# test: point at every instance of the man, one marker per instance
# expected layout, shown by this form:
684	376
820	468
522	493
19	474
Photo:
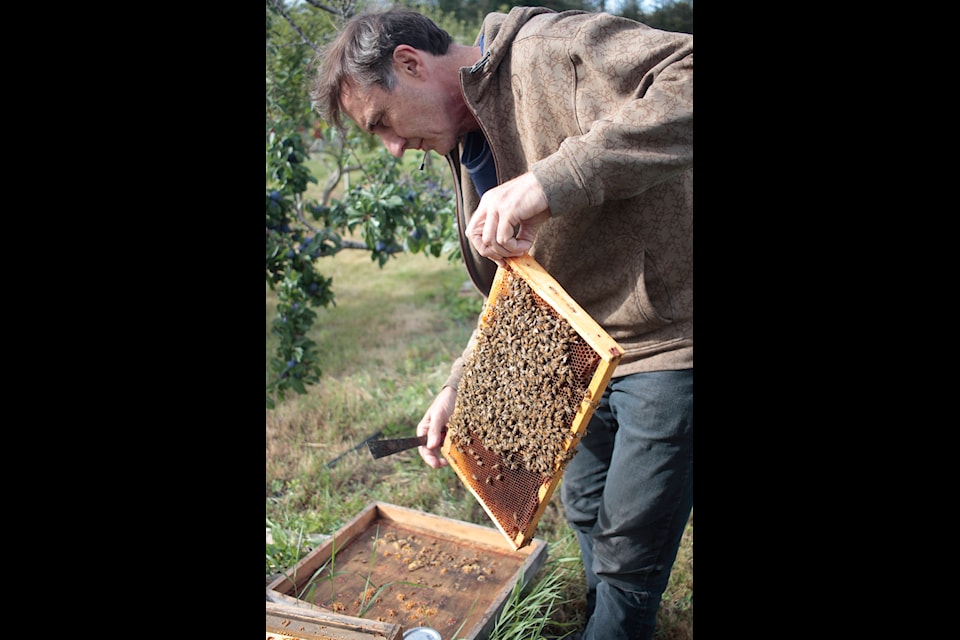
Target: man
570	136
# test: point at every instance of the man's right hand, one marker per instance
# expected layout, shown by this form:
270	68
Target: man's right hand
434	425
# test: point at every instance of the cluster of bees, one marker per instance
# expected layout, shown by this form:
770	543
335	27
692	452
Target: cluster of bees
520	389
430	555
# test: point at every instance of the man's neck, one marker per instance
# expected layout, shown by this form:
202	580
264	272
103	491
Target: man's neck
459	56
463	55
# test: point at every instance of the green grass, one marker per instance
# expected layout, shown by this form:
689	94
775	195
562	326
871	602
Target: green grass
386	348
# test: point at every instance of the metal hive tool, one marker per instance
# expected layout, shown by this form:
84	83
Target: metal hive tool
518	421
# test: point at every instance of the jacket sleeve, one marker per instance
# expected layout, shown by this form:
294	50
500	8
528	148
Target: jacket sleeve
634	105
456	369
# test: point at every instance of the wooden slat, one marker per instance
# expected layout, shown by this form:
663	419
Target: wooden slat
293	623
466	532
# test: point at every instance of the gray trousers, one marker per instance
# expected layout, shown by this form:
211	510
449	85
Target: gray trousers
628	493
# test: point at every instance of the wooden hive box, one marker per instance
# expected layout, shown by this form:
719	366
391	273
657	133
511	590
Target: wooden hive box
390	565
538	368
289	622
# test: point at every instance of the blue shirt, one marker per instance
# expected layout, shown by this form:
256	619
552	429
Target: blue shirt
477	157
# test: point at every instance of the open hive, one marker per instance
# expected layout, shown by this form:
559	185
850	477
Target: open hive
529	387
390	569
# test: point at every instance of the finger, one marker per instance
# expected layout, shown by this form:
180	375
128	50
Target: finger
475	232
490	224
432	457
475	225
423	427
435	438
507	232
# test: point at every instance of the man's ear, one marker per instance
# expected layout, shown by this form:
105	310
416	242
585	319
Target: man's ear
408	60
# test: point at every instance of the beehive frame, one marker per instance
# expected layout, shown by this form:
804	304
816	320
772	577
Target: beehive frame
515	498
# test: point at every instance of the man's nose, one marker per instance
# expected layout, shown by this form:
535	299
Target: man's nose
393	143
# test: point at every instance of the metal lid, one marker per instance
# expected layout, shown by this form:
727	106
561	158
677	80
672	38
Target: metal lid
421	633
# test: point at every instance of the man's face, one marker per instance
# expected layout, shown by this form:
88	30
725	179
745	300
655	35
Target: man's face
415	115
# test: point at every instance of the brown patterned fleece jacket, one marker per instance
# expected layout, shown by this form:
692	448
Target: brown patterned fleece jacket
600	109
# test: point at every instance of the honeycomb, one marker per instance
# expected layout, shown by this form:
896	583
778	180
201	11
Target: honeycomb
528	389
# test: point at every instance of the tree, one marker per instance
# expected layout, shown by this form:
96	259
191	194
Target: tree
391	209
669	15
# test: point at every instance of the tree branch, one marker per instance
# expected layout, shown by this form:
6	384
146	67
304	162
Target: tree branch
323	7
346	10
279	8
